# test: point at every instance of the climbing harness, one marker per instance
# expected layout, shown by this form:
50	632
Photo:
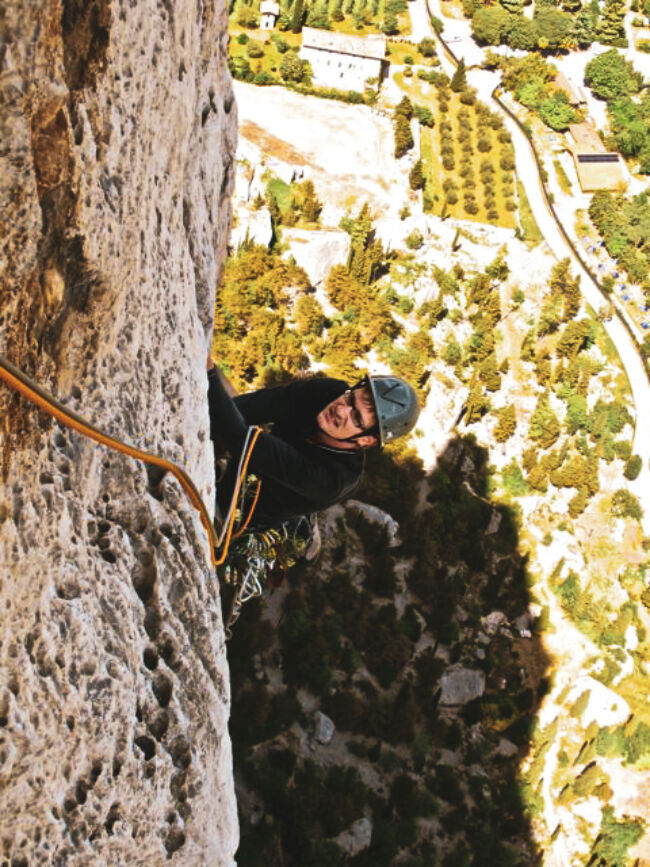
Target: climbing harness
264	556
30	389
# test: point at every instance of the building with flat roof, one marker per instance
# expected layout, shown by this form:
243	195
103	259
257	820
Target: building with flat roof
341	60
596	167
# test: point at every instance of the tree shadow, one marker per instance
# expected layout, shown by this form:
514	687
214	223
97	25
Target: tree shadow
381	638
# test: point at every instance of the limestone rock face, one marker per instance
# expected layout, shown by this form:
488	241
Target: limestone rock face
117	135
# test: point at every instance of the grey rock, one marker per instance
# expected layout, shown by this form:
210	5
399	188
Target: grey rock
356	838
460	685
493	621
379	517
323	728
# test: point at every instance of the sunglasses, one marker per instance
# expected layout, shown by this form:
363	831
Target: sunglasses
355	415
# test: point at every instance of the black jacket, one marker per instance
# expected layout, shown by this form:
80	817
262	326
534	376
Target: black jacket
298	477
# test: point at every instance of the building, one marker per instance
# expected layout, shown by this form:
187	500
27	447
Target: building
343	61
269	14
596	167
575	94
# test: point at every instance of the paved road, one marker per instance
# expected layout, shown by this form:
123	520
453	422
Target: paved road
485	81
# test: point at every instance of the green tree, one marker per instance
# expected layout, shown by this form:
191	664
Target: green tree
416	176
297	16
403	136
476	405
291	66
427	47
614	839
610	75
404	107
633	467
556	111
489	373
507	423
311	207
459	78
610	29
309	316
544	424
490	24
626	505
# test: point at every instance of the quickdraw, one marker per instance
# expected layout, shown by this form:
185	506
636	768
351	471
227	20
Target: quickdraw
258	556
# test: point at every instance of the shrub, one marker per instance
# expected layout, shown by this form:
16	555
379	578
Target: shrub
415	240
633	467
448	162
507	423
513	479
578	503
452	197
626	505
470	206
255	49
510	205
427	47
243	38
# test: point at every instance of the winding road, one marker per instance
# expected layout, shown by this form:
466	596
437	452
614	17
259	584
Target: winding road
458	34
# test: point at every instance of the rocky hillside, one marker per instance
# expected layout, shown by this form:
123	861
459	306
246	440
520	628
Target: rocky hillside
117	130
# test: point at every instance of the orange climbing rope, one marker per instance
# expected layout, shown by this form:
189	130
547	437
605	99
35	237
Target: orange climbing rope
31	390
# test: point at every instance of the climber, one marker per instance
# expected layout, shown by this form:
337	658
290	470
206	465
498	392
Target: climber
314	456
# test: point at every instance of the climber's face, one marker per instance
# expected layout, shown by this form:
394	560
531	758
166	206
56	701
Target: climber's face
350	415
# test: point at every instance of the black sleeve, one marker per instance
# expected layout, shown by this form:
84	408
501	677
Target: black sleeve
272	457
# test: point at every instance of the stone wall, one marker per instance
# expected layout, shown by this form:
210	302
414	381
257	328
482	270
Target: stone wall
117	135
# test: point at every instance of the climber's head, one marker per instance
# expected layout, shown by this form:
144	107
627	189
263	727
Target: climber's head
371	413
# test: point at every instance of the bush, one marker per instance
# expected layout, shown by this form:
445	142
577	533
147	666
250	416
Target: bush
427	47
243	38
255	49
633	467
415	240
626	505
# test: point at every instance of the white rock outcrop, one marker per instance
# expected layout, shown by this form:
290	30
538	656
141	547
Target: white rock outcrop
118	128
316	251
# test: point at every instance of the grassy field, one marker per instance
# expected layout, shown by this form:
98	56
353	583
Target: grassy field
562	177
529	226
271	59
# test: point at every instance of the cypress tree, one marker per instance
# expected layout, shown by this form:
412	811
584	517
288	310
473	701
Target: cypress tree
610	30
507	424
404	107
416	176
403	136
459	79
297	17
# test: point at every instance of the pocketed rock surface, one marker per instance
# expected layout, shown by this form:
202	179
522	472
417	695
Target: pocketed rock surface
117	135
